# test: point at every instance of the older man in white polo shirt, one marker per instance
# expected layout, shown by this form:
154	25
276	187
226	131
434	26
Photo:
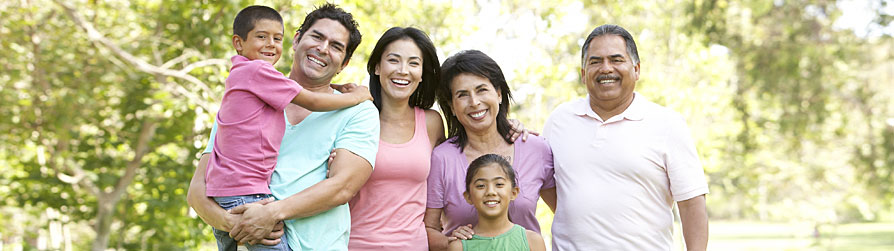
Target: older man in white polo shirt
622	161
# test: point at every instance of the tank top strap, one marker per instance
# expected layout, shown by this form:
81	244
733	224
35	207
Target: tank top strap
421	130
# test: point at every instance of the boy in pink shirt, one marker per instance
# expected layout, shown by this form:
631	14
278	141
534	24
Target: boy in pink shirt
251	119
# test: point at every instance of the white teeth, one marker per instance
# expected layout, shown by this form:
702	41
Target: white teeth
400	81
491	202
607	81
316	61
478	114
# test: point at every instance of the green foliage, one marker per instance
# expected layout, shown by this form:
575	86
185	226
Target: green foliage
793	119
802	114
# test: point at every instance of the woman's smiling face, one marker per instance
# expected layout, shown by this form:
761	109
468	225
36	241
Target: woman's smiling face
475	102
400	69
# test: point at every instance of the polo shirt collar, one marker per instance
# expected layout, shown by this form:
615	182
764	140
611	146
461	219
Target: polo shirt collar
635	111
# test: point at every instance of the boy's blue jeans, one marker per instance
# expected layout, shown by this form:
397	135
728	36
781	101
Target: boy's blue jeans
225	242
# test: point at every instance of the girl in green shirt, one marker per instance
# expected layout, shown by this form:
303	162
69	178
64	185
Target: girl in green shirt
490	187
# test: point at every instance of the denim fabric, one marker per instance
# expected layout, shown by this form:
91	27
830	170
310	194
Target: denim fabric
227	243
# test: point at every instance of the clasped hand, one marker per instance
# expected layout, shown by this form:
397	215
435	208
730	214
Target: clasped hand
257	224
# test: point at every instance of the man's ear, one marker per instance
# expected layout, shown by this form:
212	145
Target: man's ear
466	196
581	76
344	65
636	72
237	44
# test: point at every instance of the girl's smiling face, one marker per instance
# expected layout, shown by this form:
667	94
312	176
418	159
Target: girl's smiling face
491	191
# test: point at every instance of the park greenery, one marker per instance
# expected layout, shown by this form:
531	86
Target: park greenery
105	104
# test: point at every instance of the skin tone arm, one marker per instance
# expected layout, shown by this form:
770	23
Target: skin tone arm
694	216
549	197
213	214
321	102
535	241
455	246
432	219
435	127
205	207
347	173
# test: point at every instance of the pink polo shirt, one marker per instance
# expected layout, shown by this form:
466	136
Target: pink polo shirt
250	129
617	179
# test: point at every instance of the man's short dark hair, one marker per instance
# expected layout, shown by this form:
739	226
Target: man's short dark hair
246	19
331	11
613	30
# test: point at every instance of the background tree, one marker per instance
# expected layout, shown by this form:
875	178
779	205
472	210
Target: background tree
106	103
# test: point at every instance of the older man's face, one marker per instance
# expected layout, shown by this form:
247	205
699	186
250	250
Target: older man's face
608	71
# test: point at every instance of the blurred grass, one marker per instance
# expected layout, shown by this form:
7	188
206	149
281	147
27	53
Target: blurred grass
800	236
753	235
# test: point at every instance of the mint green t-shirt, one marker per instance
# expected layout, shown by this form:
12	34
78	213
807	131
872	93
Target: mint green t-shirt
512	240
302	162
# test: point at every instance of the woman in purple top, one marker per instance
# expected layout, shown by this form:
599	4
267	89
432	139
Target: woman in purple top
474	96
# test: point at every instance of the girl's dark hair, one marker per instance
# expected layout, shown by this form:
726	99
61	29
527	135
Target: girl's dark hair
424	96
488	159
476	63
246	19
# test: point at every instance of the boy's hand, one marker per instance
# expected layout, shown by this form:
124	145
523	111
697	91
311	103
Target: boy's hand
358	91
343	88
362	93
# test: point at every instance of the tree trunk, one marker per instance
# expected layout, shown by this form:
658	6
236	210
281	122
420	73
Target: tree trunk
103	227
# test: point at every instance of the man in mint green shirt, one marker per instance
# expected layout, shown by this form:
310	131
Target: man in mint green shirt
302	163
312	205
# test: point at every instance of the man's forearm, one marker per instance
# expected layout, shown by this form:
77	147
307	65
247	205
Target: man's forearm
348	172
205	207
694	216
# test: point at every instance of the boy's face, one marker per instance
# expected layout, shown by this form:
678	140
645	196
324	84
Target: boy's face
491	191
264	42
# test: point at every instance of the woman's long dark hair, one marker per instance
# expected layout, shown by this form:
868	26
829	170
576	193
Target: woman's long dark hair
424	95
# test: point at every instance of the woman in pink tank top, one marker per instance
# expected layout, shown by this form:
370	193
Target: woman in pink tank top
386	214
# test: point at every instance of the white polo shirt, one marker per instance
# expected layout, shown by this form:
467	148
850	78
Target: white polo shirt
617	179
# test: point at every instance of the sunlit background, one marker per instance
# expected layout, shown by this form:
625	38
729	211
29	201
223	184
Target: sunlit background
105	105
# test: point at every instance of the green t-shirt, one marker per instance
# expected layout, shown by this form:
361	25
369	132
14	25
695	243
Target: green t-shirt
513	240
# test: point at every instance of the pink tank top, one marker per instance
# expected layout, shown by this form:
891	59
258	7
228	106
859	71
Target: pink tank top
386	214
